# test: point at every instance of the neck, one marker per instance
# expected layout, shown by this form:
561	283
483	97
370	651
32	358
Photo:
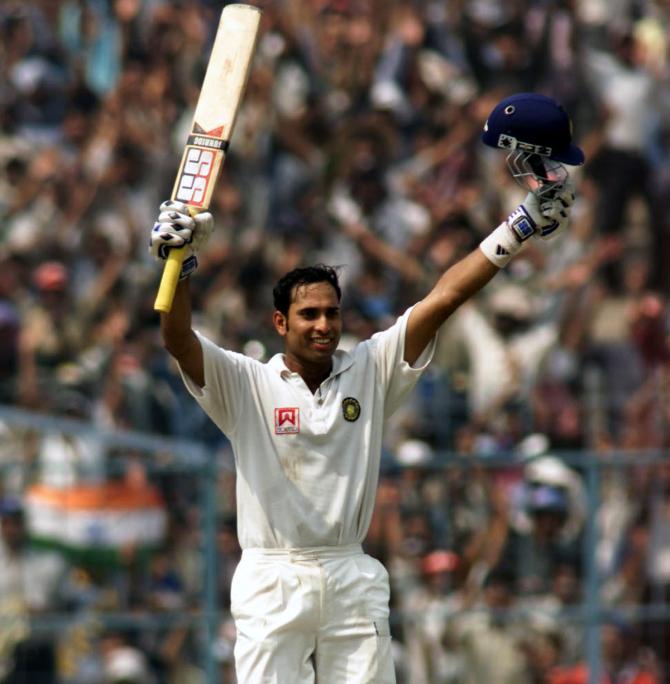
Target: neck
312	374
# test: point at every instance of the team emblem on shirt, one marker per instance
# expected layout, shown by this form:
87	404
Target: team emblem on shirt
287	421
351	409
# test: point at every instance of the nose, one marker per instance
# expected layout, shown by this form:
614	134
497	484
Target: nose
322	324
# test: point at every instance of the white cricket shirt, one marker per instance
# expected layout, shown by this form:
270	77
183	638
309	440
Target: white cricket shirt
307	464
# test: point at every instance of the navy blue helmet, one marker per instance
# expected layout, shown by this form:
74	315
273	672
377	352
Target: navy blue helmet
535	124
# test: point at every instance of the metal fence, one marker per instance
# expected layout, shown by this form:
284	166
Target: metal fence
189	479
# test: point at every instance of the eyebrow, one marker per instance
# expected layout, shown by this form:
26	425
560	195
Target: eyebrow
312	309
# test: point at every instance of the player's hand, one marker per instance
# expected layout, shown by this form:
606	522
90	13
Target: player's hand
545	216
176	228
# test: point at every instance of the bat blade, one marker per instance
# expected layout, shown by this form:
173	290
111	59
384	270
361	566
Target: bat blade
213	122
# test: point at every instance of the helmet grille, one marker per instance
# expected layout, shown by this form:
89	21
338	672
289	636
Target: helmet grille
536	174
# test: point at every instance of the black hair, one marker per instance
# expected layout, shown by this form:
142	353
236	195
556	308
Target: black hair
319	273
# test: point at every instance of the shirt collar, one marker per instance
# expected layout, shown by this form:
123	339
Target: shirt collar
342	360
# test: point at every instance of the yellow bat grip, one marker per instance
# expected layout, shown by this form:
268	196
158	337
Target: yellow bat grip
169	280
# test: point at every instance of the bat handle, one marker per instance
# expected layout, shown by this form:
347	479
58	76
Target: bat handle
169	280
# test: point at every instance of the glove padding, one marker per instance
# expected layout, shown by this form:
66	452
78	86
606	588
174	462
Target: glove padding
176	228
545	216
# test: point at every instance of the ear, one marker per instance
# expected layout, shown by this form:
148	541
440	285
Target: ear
280	323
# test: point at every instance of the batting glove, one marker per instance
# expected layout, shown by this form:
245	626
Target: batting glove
544	217
176	228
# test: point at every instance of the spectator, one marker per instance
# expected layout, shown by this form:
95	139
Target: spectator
546	527
626	89
30	584
124	663
427	614
9	333
506	343
381	109
622	657
490	637
51	335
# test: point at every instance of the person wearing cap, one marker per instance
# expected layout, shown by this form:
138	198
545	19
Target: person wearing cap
427	612
51	333
306	427
546	527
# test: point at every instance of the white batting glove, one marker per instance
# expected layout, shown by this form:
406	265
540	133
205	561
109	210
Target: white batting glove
176	228
544	217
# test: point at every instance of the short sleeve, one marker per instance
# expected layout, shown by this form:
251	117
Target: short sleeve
223	395
397	376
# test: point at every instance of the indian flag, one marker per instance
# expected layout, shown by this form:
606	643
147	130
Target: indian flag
97	518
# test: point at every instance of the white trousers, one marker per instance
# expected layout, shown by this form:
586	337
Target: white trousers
306	616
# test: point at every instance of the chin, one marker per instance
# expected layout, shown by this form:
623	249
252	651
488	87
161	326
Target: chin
320	354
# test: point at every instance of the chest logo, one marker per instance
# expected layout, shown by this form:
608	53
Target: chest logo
287	421
351	409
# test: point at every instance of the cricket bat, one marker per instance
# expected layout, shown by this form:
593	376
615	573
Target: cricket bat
213	121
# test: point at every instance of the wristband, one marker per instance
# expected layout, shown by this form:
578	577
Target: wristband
501	245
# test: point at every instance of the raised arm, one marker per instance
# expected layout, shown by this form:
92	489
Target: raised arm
175	229
178	337
469	275
464	279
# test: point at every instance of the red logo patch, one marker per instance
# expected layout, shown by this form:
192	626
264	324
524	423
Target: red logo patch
287	421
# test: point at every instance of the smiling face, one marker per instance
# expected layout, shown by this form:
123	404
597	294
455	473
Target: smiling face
311	329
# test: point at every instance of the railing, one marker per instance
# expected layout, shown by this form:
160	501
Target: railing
187	462
159	458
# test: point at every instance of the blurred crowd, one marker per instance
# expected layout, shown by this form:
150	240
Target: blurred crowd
357	145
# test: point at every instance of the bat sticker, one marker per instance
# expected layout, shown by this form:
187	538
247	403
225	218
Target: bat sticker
204	141
195	176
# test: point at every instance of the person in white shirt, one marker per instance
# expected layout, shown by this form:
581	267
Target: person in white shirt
306	430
